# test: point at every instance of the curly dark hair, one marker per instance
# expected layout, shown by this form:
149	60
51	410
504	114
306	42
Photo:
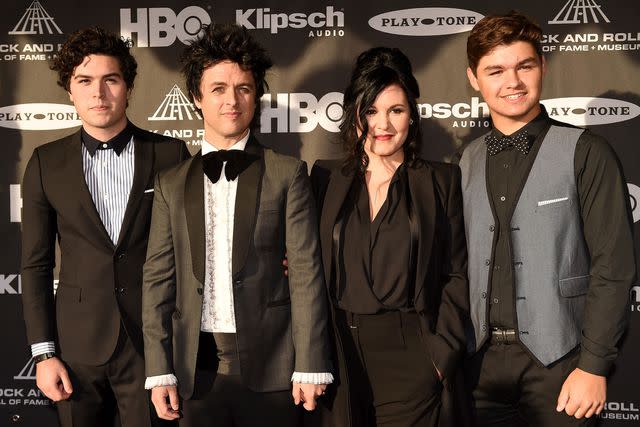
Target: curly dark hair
93	41
495	30
375	70
224	42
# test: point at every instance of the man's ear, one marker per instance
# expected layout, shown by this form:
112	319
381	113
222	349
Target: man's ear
196	101
473	81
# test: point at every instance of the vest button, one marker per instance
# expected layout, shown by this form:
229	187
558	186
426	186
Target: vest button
492	227
502	198
487	262
484	295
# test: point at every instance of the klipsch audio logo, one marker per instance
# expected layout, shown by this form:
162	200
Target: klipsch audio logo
160	26
36	20
327	23
39	116
15	203
425	21
580	12
588	111
175	106
464	114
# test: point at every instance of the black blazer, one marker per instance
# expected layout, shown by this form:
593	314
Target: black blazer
441	288
100	283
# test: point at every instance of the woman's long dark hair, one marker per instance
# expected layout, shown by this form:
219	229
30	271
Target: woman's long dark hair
375	70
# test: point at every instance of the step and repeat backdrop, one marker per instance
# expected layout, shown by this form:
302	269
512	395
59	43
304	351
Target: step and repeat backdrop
592	50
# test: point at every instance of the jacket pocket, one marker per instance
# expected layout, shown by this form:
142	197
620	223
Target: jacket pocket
574	286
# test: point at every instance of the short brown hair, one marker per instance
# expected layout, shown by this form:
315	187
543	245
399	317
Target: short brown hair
495	30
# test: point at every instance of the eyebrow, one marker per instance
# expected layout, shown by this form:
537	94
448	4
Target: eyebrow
225	84
520	63
86	76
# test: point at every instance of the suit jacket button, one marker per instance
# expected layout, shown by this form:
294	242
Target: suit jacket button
199	291
120	256
237	282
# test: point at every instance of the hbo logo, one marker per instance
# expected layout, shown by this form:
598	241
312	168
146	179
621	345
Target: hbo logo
159	26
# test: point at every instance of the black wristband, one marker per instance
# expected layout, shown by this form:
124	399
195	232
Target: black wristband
44	356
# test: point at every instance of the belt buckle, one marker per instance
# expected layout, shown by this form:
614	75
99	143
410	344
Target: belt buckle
501	335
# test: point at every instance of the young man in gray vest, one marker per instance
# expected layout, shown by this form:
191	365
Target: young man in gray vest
551	256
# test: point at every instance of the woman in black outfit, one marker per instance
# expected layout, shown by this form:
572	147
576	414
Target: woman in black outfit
394	254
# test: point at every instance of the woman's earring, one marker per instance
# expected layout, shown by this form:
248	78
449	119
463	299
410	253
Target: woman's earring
410	121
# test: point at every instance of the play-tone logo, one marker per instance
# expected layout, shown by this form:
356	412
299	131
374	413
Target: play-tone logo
39	116
160	26
580	12
634	196
35	20
425	21
588	111
176	106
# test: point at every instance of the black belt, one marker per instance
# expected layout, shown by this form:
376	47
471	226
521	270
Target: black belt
503	336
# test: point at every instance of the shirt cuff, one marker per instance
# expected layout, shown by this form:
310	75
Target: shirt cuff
42	348
312	377
160	381
593	364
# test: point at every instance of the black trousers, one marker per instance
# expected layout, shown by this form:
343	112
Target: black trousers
221	399
510	389
390	372
100	393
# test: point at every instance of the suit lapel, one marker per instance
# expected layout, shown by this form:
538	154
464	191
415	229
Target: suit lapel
78	185
246	206
142	174
194	212
421	188
337	190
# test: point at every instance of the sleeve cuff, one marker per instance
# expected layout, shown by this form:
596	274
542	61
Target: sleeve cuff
160	381
312	377
42	348
593	364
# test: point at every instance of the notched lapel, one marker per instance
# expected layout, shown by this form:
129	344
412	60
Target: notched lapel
78	186
423	200
337	190
246	206
142	175
194	212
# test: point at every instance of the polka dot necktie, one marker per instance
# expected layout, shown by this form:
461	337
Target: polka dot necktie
520	141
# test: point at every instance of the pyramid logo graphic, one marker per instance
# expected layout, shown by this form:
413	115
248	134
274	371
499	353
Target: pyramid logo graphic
28	372
35	20
580	12
176	106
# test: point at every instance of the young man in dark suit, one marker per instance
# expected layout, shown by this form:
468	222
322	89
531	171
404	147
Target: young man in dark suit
224	328
551	256
92	192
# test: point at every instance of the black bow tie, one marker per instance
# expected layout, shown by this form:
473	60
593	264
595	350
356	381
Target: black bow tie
237	162
520	141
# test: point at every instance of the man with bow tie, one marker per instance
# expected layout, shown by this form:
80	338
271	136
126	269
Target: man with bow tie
549	232
228	337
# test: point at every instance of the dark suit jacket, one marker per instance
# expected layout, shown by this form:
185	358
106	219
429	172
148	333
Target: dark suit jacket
281	323
100	283
441	288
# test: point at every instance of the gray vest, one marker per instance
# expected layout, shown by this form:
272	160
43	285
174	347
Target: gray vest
550	256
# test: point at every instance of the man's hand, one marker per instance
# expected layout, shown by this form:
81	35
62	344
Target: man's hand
307	394
583	394
165	400
53	379
285	264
